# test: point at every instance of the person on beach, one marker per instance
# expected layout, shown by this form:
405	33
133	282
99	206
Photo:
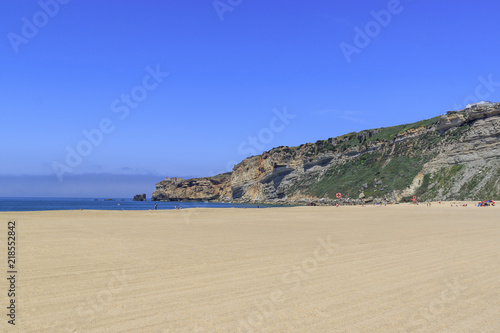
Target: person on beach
156	206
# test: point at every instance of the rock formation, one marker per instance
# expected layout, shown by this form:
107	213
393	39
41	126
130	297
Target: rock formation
195	189
140	197
454	156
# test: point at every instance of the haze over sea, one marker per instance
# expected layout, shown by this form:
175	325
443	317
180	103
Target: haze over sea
38	204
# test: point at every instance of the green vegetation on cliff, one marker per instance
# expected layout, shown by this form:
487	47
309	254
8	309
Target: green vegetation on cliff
374	174
443	184
439	182
364	138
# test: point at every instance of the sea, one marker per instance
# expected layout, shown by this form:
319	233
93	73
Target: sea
37	204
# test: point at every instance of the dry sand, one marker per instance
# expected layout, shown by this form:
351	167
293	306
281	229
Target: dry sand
303	269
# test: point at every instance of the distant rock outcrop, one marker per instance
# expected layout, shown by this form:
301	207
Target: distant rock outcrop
455	156
140	197
195	189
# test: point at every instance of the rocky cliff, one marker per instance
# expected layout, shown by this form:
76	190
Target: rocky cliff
139	197
195	189
453	156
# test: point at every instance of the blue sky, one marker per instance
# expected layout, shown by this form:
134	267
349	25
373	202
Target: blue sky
242	79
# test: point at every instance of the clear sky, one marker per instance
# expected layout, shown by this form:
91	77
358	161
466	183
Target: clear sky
98	92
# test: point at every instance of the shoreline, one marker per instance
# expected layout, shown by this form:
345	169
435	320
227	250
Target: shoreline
268	206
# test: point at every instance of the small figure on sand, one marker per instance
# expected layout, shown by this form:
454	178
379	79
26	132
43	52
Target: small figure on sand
156	206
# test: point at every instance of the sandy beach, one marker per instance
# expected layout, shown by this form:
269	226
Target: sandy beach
372	269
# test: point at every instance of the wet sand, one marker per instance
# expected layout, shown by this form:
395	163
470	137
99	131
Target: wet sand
398	268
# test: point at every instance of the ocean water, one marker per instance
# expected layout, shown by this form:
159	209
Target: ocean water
34	204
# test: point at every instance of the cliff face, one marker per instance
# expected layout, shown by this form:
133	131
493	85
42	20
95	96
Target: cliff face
454	156
195	189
